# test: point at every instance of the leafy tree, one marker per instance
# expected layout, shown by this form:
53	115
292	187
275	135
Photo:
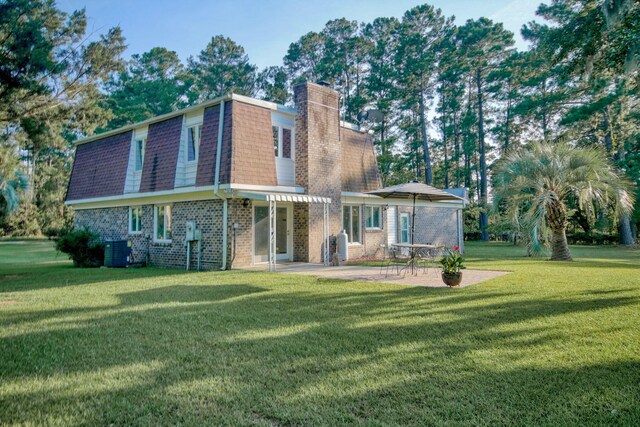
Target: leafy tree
272	84
45	62
380	83
485	45
304	57
222	67
534	184
152	84
51	78
421	40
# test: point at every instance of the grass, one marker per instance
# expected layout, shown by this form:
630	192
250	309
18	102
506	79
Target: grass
549	344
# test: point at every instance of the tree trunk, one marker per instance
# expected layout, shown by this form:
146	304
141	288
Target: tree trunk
484	217
556	217
608	143
456	155
626	235
444	142
559	246
507	131
428	174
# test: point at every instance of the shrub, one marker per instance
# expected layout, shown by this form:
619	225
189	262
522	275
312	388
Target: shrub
593	238
83	247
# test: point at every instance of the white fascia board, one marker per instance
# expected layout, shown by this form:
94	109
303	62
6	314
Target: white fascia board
265	104
176	195
348	125
266	188
451	204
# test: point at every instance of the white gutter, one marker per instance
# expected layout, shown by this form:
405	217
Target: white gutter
216	186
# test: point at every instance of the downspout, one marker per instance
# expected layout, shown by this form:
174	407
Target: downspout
216	187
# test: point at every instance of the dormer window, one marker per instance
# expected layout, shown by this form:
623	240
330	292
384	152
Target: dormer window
193	142
282	139
139	147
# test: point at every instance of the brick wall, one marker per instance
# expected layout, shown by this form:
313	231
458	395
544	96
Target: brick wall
112	223
319	160
434	225
300	231
242	216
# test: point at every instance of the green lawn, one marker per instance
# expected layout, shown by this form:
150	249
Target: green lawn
548	344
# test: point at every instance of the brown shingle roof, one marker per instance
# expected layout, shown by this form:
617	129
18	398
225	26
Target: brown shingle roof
100	168
359	167
253	160
161	155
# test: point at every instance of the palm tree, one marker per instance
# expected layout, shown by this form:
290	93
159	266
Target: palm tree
535	182
12	179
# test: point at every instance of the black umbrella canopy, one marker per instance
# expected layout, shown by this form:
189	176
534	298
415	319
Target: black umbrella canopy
419	190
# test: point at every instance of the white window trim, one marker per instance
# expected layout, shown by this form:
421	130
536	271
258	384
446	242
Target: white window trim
155	224
366	208
135	155
198	126
292	153
350	232
131	231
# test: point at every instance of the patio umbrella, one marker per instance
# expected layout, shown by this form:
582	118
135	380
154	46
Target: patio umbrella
416	191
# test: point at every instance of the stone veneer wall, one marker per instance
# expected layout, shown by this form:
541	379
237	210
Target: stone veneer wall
112	223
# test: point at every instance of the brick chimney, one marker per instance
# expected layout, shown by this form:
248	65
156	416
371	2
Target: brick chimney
318	164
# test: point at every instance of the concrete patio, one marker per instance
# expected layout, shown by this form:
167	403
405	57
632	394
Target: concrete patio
372	274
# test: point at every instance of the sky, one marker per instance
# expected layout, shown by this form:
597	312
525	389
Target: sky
265	28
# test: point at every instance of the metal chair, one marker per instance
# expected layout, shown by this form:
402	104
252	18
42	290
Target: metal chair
385	261
399	259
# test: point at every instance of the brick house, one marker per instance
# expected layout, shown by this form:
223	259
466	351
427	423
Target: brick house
238	181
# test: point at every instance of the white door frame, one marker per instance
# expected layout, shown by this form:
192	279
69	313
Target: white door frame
408	216
288	256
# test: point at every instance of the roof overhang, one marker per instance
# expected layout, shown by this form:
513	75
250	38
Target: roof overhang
282	197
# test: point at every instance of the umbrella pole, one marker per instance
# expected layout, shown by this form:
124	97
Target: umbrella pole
413	219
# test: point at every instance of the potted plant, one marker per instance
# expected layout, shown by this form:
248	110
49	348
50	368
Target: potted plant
451	265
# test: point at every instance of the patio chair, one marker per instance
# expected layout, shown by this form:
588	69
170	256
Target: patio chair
426	258
398	259
386	260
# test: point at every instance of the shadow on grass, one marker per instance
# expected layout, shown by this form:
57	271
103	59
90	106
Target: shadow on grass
196	353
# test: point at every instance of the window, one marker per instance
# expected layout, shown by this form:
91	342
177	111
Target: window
405	225
193	142
135	220
140	146
372	217
276	140
286	143
351	222
162	220
282	141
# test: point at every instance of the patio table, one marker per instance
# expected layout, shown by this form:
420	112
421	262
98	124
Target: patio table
415	250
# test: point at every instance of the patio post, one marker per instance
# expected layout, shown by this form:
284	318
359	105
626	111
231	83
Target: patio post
272	234
413	218
325	233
